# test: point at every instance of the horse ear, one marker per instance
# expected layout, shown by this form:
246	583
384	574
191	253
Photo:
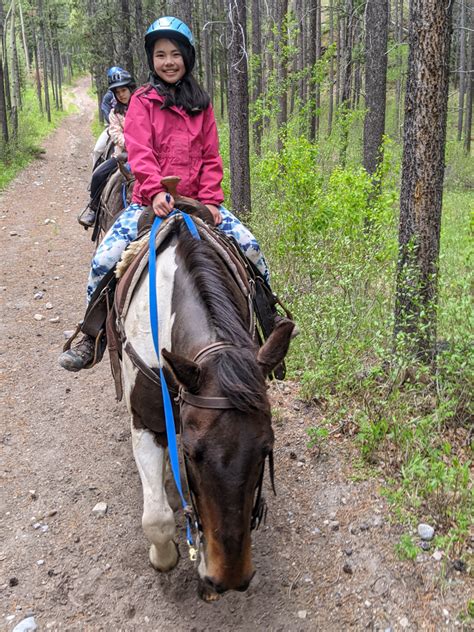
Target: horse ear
275	348
186	372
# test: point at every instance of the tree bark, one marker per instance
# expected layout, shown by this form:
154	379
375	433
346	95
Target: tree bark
470	91
399	84
206	43
422	177
282	114
23	37
331	68
462	67
257	71
126	38
6	72
181	9
15	70
315	44
3	106
376	35
238	107
37	66
47	104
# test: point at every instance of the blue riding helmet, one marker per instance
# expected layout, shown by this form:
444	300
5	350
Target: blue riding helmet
113	70
169	28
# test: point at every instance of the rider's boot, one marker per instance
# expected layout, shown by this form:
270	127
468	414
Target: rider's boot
79	356
87	217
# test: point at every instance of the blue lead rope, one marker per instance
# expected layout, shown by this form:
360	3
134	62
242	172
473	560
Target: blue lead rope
169	417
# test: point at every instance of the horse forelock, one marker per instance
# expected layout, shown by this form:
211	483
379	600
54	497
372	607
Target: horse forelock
238	372
242	380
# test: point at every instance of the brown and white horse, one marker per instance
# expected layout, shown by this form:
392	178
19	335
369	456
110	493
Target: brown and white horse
225	449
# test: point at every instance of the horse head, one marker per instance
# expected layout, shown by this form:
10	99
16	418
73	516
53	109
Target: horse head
226	437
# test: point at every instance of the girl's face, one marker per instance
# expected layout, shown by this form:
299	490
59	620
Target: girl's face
168	61
123	94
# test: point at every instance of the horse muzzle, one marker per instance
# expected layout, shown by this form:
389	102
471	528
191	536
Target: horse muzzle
210	590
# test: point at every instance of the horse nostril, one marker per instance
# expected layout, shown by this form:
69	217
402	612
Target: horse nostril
243	587
214	586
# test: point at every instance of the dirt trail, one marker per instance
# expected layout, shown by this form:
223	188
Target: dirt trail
324	559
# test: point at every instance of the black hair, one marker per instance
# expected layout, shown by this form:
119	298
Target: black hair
121	108
186	93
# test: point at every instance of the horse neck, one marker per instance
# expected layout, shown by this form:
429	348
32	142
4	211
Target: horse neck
200	322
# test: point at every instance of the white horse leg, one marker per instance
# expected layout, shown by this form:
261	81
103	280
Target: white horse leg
157	520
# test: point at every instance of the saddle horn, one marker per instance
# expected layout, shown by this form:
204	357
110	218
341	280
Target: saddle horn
171	184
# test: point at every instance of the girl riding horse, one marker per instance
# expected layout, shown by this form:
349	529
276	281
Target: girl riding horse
122	85
170	129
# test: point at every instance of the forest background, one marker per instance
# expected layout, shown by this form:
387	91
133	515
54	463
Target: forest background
314	100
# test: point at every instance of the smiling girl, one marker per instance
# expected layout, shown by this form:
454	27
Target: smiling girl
170	130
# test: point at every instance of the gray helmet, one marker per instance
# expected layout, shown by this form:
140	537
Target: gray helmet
120	78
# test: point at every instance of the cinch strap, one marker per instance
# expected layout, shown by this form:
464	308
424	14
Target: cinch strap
154	320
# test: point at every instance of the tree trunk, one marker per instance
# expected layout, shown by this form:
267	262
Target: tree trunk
470	90
15	74
338	59
422	177
257	71
399	62
181	9
238	107
376	34
140	28
57	54
6	73
206	43
3	106
462	67
223	81
346	77
301	56
37	67
3	80
315	43
331	68
44	60
23	37
126	38
282	115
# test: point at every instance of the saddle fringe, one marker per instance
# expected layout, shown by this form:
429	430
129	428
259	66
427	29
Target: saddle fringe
129	255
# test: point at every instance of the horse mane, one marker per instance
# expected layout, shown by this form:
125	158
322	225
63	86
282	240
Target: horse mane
238	372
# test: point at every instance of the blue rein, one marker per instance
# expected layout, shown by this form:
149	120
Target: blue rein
169	417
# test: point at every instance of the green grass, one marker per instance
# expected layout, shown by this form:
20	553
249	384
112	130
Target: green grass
33	128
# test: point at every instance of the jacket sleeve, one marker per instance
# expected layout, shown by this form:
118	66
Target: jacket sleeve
210	189
107	104
139	143
116	130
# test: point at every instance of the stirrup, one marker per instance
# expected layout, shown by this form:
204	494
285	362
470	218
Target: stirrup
87	217
99	345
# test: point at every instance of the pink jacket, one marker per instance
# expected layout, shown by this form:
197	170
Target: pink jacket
170	142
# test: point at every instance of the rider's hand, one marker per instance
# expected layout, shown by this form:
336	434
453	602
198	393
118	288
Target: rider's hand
216	216
163	204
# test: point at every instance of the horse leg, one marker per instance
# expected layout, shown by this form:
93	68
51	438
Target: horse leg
158	519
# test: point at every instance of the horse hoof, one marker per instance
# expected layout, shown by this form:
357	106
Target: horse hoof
166	559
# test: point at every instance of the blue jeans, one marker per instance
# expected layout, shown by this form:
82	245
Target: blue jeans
125	230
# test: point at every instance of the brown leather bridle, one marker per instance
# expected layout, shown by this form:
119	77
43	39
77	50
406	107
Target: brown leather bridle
259	510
